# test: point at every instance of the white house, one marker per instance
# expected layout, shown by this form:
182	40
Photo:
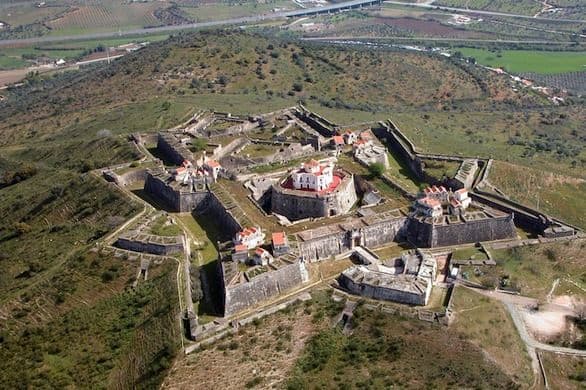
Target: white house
313	176
250	236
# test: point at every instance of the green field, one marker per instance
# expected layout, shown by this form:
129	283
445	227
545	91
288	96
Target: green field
520	61
13	58
225	10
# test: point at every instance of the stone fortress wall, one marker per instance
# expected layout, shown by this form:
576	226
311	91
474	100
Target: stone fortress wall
175	198
427	235
325	242
523	215
382	292
317	122
139	239
155	245
262	287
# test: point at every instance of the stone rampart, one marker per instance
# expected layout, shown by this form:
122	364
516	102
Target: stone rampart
151	244
262	287
225	218
382	292
174	198
316	122
384	232
168	145
131	177
428	235
343	238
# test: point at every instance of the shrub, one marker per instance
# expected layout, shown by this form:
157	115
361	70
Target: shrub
376	169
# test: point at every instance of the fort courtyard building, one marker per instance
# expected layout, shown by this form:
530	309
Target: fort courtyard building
314	190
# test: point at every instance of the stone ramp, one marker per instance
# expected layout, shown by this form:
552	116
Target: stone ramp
366	256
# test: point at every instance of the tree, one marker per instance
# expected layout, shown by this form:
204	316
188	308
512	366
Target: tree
376	169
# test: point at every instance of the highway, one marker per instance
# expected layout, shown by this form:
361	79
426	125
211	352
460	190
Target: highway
190	26
364	39
480	12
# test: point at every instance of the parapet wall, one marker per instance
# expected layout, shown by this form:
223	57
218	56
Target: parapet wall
226	220
172	149
147	246
428	235
263	287
382	292
341	241
315	121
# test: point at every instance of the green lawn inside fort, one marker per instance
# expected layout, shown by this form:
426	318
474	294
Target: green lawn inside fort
522	61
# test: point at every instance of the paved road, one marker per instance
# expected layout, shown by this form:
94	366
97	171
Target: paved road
480	12
165	29
351	38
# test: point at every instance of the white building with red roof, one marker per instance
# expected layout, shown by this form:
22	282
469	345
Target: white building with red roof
429	206
313	176
280	244
261	257
338	141
212	167
434	198
250	236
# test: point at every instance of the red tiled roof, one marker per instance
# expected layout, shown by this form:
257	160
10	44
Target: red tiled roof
338	139
365	135
259	251
461	191
240	248
279	238
431	202
247	231
212	163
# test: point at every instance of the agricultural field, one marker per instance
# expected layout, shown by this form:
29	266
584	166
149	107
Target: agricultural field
209	11
521	61
522	7
108	16
573	82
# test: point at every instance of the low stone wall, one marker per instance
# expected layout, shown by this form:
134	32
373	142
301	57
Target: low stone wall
263	287
147	246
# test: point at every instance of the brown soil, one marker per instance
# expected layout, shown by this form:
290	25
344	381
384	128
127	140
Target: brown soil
267	351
